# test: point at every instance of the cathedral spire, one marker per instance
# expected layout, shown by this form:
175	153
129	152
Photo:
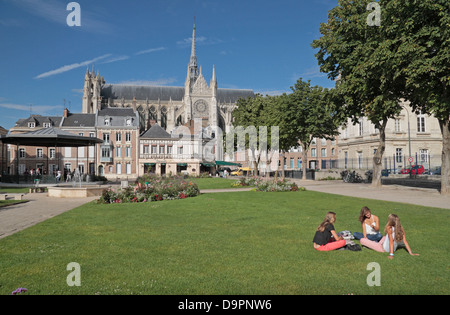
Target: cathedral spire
193	69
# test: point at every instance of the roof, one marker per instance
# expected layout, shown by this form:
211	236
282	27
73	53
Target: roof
128	92
156	132
117	111
166	93
50	137
79	120
39	121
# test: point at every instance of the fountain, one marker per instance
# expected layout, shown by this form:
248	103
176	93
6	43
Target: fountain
77	190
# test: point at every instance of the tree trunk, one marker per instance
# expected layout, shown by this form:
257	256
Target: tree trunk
445	168
304	160
378	157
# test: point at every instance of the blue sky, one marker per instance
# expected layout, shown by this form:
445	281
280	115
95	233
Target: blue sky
260	45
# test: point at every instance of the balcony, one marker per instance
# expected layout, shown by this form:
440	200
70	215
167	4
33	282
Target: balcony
106	151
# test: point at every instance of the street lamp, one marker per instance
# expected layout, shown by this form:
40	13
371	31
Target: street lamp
409	142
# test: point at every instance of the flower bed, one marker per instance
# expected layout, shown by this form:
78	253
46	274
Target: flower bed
278	185
150	188
267	185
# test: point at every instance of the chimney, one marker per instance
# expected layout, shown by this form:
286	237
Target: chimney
66	112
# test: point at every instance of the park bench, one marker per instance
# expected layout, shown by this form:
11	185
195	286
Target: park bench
3	196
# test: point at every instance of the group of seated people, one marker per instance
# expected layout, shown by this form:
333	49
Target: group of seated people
326	238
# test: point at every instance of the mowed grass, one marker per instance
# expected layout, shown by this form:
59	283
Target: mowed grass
242	243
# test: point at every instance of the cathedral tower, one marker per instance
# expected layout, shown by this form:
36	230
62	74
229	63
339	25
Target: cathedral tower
92	101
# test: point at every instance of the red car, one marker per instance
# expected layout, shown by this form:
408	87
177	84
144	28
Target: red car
415	170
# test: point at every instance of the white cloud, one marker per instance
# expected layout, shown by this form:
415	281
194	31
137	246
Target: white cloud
70	67
55	11
148	51
35	109
115	59
201	40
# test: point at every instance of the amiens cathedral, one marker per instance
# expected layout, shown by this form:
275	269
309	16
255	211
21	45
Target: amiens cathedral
167	106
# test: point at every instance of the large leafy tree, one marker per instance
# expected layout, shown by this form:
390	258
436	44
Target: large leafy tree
360	58
406	56
420	30
312	114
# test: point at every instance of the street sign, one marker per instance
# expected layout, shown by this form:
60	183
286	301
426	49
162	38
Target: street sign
411	159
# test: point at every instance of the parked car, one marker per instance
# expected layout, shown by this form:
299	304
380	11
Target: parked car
405	171
385	172
417	169
435	171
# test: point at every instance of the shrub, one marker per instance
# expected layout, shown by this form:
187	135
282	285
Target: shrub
278	185
152	188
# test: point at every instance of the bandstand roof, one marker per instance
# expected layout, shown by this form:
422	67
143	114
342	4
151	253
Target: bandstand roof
49	137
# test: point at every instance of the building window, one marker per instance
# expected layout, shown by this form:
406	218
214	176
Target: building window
423	156
39	153
52	153
169	149
107	120
180	150
118	137
162	149
313	152
129	121
421	123
323	152
106	153
118	152
81	134
47	125
128	137
106	138
128	168
361	127
399	155
154	149
118	168
22	153
31	125
128	152
92	134
397	125
146	149
333	151
360	160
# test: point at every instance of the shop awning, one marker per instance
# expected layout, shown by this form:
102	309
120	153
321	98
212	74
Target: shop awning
181	164
208	164
223	163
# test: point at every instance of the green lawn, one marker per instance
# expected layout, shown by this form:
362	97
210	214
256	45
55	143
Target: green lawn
214	182
240	243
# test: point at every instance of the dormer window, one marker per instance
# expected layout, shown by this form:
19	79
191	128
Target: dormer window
129	121
47	125
31	125
107	121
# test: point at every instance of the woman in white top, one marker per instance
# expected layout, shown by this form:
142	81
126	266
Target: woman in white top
370	226
389	243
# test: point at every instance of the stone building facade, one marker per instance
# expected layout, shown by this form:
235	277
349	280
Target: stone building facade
409	134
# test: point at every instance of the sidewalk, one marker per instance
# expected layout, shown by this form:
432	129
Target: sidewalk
39	208
418	196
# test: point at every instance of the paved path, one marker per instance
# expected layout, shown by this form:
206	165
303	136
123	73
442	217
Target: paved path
418	196
40	207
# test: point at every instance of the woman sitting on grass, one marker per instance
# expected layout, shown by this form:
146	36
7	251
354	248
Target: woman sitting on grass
389	243
370	226
326	238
